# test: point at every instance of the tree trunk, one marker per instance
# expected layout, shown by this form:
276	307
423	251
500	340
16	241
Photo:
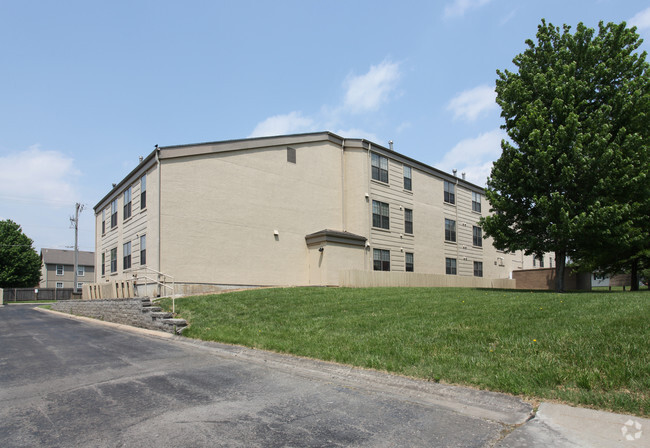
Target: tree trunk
634	286
560	262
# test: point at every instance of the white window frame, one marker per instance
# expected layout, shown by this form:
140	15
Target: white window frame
62	269
59	285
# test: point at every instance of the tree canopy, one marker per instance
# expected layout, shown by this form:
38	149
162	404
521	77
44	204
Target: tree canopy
573	177
20	265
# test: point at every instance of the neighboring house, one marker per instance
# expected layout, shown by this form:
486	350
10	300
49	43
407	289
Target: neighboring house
57	268
292	210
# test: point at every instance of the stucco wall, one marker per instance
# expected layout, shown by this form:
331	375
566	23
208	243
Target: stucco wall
241	217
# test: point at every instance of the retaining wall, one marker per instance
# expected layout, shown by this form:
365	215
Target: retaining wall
136	312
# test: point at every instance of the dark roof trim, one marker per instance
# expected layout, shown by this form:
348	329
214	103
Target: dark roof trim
373	147
169	152
335	236
139	170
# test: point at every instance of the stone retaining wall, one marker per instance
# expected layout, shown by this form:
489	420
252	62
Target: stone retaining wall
137	312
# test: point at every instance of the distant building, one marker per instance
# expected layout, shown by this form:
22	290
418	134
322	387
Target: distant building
57	268
293	210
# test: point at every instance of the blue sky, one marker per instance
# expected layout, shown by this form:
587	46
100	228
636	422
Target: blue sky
88	86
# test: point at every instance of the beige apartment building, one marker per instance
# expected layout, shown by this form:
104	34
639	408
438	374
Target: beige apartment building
57	268
293	210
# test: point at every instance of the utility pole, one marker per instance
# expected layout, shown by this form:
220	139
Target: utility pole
75	222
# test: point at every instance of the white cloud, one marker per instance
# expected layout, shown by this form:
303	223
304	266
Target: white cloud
367	92
37	174
459	7
474	156
641	20
291	123
471	103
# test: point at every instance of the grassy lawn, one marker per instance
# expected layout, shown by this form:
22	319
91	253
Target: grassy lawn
589	349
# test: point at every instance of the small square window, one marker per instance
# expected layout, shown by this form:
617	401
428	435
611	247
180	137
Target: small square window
291	155
59	285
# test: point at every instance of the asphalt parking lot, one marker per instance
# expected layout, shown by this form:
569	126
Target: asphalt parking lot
71	382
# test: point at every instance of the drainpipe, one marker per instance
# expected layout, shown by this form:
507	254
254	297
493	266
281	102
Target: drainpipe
368	257
343	216
159	204
458	260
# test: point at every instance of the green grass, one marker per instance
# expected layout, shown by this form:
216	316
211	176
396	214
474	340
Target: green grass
589	349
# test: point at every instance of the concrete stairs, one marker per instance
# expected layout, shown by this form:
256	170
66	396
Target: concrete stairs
161	318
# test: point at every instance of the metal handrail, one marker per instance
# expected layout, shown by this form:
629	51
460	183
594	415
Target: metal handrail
160	283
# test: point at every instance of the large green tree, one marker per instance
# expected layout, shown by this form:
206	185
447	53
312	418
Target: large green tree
20	265
572	175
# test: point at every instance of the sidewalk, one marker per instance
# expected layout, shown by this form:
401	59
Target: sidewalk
564	426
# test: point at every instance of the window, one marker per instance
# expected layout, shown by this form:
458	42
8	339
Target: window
143	192
379	167
380	215
59	269
409	262
103	263
478	269
127	203
114	259
103	221
408	180
450	230
59	284
79	285
81	271
476	202
114	214
477	236
450	266
381	260
126	254
408	220
291	155
541	262
143	249
450	193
